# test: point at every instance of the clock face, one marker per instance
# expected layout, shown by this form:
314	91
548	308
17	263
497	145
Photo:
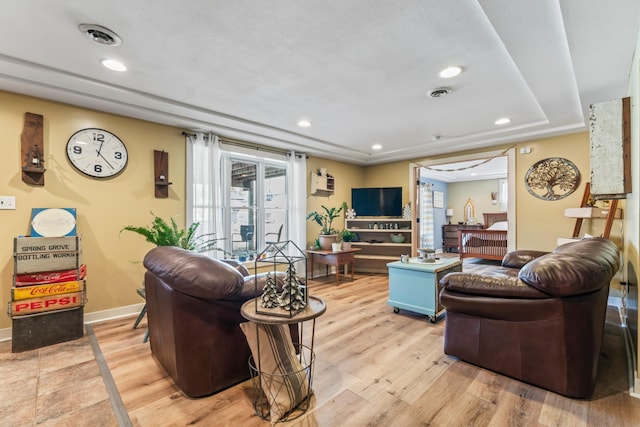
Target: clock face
97	153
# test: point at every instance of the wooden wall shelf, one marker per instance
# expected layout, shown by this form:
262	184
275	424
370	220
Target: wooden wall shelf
161	174
32	149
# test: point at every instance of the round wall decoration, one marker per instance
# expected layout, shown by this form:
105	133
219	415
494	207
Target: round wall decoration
552	179
97	153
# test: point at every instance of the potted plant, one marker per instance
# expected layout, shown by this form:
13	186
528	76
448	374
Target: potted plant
161	233
347	237
315	245
328	234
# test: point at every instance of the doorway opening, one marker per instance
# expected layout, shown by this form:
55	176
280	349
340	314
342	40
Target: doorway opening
469	186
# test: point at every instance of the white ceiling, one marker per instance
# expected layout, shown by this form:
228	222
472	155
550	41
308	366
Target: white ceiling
469	170
359	70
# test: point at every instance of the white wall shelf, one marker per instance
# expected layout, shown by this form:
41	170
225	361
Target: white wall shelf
322	185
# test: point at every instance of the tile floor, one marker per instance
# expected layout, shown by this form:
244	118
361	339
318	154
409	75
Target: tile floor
58	385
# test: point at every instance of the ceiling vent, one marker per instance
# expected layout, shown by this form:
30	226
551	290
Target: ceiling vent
440	92
100	34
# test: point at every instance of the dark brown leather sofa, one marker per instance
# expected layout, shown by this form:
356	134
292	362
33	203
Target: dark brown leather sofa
538	318
193	309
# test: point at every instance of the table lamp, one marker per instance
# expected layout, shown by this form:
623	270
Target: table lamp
449	214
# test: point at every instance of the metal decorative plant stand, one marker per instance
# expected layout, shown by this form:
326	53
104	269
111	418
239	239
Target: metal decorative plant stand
284	300
277	258
264	400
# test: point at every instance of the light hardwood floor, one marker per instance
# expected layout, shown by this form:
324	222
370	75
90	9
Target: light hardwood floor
373	368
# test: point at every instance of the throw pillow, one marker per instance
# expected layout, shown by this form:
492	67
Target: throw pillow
283	379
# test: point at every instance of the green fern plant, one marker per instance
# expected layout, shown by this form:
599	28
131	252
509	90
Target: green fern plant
161	233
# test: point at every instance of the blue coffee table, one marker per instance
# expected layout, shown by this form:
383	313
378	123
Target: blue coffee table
415	286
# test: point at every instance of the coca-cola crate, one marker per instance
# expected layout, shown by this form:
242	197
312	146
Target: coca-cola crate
42	329
47	289
44	277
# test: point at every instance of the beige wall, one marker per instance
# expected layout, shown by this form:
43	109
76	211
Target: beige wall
396	174
103	207
346	177
541	222
480	194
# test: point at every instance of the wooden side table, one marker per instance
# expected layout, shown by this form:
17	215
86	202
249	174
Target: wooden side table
314	309
344	257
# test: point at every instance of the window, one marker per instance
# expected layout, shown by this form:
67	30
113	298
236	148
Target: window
245	195
504	195
256	194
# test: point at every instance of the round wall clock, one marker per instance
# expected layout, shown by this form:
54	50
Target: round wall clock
552	179
97	153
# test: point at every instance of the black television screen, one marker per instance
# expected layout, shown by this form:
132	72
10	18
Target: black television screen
386	201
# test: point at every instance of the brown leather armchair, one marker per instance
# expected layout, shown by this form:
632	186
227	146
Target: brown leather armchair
538	318
193	311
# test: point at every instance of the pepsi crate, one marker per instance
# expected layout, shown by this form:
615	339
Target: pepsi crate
46	303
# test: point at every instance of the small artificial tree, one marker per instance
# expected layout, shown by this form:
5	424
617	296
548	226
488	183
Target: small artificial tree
292	296
270	293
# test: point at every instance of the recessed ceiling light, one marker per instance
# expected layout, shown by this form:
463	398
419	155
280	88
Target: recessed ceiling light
376	147
114	65
304	123
502	121
449	72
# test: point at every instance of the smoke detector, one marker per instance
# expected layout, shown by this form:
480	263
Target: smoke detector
100	34
440	92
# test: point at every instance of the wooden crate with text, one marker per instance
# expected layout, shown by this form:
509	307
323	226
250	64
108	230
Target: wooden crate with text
44	254
49	292
29	279
46	289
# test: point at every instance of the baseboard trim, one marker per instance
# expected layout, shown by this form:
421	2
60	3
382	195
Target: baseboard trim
632	372
114	313
93	317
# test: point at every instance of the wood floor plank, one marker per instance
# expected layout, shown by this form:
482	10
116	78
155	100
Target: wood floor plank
559	411
373	367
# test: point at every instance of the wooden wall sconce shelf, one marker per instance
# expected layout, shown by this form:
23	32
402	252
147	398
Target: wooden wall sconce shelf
161	174
32	149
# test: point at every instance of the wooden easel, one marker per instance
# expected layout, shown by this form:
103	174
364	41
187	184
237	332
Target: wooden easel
613	207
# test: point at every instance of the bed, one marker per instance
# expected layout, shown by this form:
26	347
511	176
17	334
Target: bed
487	243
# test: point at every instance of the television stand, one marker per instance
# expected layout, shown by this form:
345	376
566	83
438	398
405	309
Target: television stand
374	238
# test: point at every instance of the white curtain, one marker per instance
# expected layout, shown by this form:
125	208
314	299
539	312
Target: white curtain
427	237
203	189
204	197
297	175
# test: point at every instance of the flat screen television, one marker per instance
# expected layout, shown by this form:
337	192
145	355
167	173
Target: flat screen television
379	201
